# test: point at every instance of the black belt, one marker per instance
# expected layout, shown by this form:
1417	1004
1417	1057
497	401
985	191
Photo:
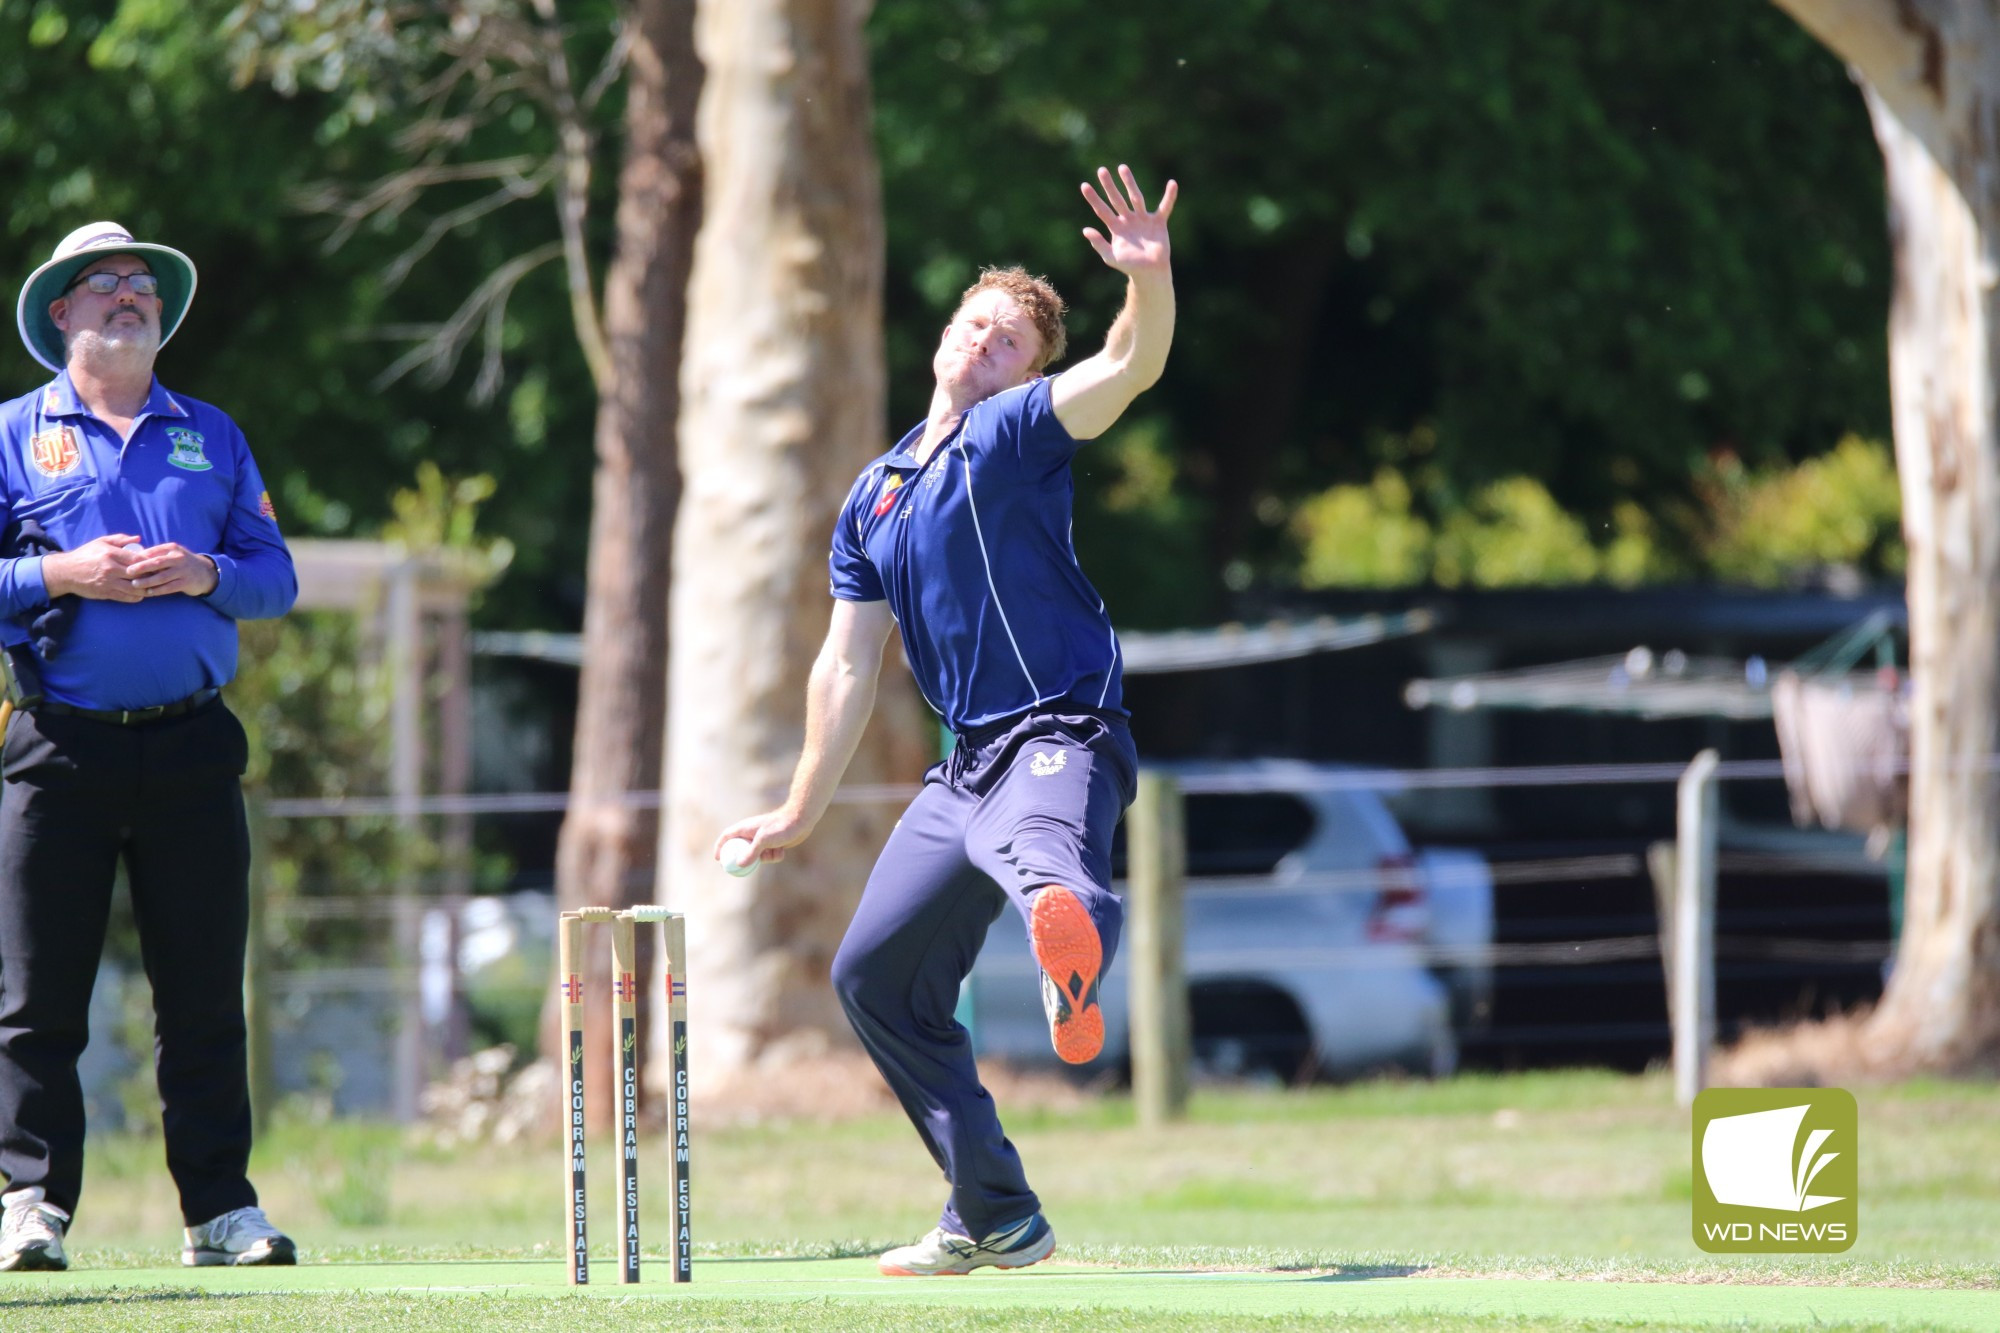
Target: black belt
132	717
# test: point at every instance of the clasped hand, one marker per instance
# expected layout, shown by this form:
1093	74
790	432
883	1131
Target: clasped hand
116	568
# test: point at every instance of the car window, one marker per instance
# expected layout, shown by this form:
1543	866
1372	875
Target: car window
1356	828
1236	833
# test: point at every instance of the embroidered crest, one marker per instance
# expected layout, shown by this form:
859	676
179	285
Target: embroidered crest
1048	764
889	489
265	507
55	451
187	449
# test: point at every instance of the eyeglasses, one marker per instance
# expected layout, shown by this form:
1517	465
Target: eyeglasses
104	283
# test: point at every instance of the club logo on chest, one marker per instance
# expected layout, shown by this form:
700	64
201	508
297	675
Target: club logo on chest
55	451
888	499
187	449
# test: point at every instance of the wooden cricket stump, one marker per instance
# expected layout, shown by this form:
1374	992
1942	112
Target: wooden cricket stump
625	1010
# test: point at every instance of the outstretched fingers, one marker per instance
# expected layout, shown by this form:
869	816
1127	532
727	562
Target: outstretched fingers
1138	204
1105	213
1121	199
1133	238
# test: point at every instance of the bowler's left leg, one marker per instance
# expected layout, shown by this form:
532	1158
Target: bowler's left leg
1043	831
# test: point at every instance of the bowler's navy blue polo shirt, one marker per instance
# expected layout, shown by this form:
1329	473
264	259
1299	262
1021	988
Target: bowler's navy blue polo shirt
973	553
185	475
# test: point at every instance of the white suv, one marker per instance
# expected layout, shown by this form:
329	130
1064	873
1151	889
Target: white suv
1318	942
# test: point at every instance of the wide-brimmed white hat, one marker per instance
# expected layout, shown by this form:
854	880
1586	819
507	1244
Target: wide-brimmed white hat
78	249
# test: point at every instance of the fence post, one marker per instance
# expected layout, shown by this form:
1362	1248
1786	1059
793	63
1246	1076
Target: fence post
1663	868
1157	934
1693	954
257	979
403	613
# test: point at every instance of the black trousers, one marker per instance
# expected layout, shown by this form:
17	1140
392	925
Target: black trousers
166	797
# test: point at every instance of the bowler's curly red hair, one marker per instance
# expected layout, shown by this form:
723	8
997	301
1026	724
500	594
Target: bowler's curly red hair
1038	301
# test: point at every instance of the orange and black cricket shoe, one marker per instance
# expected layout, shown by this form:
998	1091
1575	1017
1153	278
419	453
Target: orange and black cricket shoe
1071	956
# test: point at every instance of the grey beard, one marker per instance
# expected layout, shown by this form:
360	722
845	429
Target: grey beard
123	352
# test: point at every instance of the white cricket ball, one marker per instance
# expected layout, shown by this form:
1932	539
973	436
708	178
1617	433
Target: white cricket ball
736	857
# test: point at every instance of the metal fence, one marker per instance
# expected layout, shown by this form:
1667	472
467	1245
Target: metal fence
412	989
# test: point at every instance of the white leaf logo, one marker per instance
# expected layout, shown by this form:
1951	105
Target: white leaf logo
1749	1163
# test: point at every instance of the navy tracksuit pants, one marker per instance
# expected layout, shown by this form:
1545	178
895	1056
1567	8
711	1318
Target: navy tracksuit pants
164	797
1031	803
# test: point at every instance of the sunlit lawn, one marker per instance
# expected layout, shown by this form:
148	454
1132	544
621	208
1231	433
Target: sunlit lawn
1575	1172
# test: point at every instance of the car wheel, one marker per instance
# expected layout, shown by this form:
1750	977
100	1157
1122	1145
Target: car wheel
1441	1060
1249	1031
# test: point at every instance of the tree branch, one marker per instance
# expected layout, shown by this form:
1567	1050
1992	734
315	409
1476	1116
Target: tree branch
573	201
443	344
394	193
515	187
608	72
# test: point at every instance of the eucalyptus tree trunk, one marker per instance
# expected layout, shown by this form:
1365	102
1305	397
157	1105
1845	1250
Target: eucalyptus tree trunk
605	854
1930	71
783	406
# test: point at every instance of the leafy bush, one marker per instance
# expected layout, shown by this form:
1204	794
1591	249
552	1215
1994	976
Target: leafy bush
1836	515
1839	512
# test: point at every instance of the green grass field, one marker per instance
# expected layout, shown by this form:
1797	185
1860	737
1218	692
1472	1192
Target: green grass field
1541	1201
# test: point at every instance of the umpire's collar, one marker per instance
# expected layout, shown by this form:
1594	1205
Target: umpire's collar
59	400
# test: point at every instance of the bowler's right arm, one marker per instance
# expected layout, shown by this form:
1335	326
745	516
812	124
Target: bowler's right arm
840	696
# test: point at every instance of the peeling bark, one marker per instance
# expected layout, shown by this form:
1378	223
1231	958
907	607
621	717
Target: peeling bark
783	406
1930	71
605	853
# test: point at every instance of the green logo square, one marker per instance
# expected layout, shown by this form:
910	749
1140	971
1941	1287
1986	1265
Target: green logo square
1776	1170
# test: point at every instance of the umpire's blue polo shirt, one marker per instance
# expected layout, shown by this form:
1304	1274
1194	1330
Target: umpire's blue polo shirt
185	475
972	552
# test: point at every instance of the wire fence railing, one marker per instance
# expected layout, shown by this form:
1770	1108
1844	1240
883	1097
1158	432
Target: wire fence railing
1613	918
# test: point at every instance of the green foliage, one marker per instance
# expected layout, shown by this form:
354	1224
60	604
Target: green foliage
1841	511
131	112
1364	536
440	514
1511	533
1588	244
355	49
1780	525
1582	243
1139	520
314	700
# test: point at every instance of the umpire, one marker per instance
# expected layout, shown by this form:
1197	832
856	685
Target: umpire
138	533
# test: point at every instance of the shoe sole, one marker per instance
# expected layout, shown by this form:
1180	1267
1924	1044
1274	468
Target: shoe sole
1067	948
34	1261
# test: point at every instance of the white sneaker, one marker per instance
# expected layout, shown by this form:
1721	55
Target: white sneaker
240	1237
943	1254
31	1232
